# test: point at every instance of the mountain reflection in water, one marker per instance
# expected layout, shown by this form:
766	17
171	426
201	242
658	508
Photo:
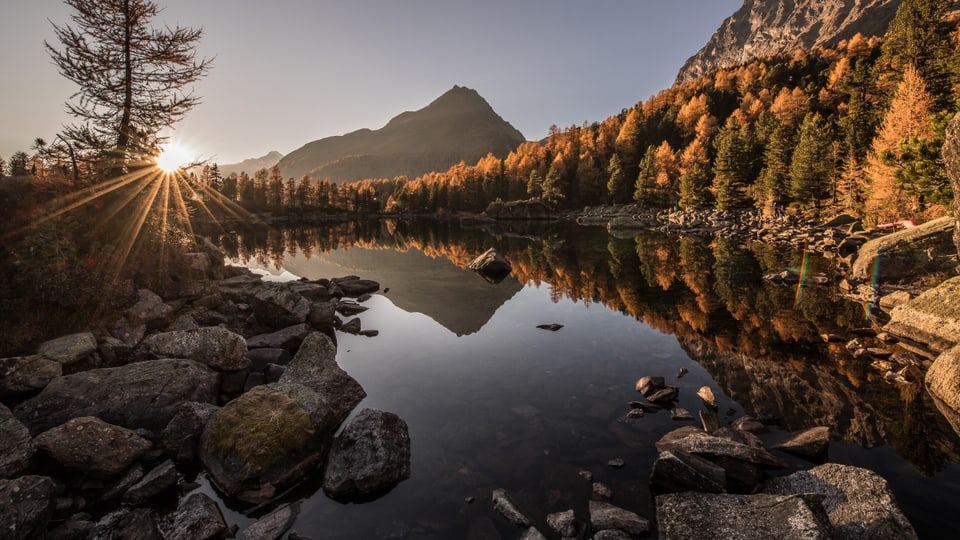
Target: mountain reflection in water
747	335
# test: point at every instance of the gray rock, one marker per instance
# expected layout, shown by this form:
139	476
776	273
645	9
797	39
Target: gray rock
16	445
181	437
149	311
23	376
564	523
858	502
370	456
810	443
322	314
133	475
315	365
288	338
273	525
159	479
740	517
127	524
491	264
92	446
353	286
680	471
76	352
214	346
139	395
351	327
129	333
259	358
908	253
943	378
273	372
197	518
951	161
532	534
503	503
270	437
349	309
26	506
113	352
933	318
278	307
605	516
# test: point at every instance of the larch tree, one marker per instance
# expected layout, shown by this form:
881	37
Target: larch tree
908	118
132	77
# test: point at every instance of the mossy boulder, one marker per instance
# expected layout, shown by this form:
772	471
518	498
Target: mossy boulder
268	438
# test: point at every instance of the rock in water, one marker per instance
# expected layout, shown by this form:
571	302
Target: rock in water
680	471
369	457
858	502
504	504
564	523
943	378
811	442
491	265
273	525
753	517
706	394
605	516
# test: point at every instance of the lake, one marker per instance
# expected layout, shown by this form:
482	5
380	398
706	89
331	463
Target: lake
492	401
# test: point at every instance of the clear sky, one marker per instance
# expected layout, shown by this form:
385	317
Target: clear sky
291	71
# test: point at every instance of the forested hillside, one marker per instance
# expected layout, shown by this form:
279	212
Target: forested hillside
857	127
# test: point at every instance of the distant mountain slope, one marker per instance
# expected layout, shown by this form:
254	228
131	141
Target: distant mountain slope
252	165
763	28
459	125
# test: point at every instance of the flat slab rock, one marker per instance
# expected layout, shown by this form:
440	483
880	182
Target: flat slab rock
933	318
682	516
604	516
858	502
943	378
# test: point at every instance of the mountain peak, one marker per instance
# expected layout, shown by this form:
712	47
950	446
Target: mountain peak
761	28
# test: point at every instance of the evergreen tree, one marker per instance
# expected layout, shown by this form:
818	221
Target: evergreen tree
774	181
551	191
646	177
18	164
811	168
920	36
616	183
735	165
694	180
535	185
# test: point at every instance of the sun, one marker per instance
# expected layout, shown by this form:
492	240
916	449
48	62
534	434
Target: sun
172	157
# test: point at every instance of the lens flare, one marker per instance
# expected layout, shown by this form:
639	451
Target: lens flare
172	157
802	277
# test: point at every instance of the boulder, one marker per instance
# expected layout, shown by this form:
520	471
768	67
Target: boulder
90	445
181	437
315	366
858	502
943	378
491	265
503	503
564	523
810	443
369	457
16	445
128	524
907	253
529	209
132	475
26	506
933	318
197	518
214	346
22	376
604	516
322	314
159	479
353	287
139	395
951	161
76	352
149	311
352	326
288	338
278	307
680	471
269	437
741	455
740	517
273	525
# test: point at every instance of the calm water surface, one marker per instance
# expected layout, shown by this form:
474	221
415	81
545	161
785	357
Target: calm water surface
493	402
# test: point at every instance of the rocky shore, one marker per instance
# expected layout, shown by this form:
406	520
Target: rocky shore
99	433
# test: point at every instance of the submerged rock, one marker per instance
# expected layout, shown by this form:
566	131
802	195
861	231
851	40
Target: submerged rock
369	457
810	443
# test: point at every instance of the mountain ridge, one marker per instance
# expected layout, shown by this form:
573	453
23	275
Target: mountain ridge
252	164
761	28
458	125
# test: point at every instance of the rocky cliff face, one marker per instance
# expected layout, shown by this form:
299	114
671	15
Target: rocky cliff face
761	28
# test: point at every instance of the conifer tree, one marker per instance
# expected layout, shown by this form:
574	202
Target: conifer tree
693	181
646	177
616	183
774	181
811	168
920	36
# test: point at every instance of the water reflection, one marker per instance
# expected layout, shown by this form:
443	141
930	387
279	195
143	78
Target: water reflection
493	402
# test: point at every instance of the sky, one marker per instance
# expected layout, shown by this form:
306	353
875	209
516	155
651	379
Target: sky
288	72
